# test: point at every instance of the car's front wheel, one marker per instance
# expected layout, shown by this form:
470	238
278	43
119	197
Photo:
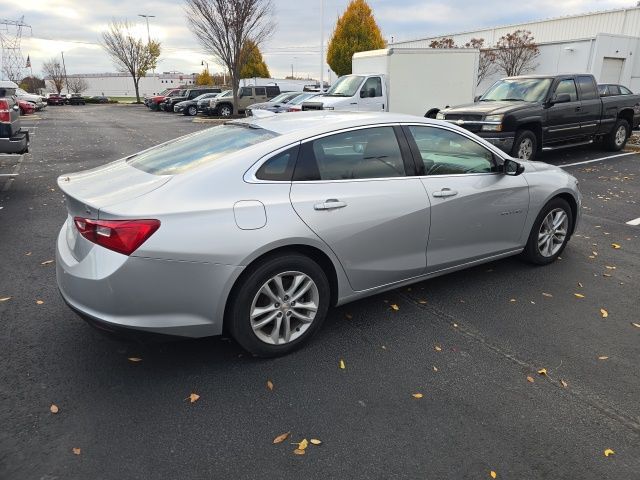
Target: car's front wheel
225	111
192	111
550	233
279	305
525	145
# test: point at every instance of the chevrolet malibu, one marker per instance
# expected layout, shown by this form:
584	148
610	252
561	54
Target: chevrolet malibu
260	225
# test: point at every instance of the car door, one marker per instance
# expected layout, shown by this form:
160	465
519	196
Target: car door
356	191
590	105
371	98
476	211
563	119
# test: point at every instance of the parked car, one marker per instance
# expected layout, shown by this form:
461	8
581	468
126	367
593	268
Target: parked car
55	99
99	99
528	114
12	138
609	89
147	98
277	104
37	100
154	102
26	108
246	96
189	94
296	105
202	104
77	99
308	211
190	107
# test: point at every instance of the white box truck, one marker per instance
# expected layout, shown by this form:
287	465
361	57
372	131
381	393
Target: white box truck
416	81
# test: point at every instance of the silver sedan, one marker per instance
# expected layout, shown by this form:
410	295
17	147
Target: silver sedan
260	225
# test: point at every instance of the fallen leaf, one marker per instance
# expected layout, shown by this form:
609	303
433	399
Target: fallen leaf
422	302
579	295
438	348
348	316
609	267
416	395
580	285
493	474
395	307
134	359
269	384
542	371
603	357
608	452
606	275
193	398
303	444
564	384
637	325
594	254
512	300
297	451
315	441
435	369
546	295
281	438
39	302
4	299
54	408
615	246
342	365
28	254
604	313
530	379
76	451
46	262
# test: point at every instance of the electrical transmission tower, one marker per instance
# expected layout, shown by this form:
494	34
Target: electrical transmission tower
12	59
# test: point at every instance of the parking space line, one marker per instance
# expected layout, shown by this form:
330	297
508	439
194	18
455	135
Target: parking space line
634	222
597	159
12	176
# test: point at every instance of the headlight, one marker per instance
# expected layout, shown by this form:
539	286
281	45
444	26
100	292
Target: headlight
493	128
440	116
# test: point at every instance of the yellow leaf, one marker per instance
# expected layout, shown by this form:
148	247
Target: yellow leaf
54	408
594	253
281	438
395	307
416	395
438	348
4	299
193	398
315	441
608	452
530	379
269	384
602	357
493	474
134	359
579	295
564	384
542	371
637	325
422	302
46	262
546	294
303	444
342	365
615	246
604	313
76	451
39	302
297	451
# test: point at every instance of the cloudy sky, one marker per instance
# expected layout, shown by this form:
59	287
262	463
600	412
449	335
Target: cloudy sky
74	26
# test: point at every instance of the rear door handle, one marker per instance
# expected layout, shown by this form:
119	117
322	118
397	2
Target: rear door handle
578	109
445	192
330	204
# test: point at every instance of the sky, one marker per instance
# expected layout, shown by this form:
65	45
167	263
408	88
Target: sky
74	26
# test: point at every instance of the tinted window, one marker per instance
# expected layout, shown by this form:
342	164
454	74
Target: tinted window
366	153
567	86
261	91
246	92
273	91
279	167
614	90
587	88
602	90
198	149
444	152
375	84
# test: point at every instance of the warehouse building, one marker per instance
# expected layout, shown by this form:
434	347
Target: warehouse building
605	44
121	84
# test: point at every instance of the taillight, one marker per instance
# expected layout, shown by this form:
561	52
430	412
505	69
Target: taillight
122	236
5	113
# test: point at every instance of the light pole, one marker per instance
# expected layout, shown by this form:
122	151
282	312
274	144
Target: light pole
203	63
321	46
147	17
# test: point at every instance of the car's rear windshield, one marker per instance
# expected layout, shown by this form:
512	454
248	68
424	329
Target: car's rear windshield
199	149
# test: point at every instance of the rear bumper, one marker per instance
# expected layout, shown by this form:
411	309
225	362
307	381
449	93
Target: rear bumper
16	144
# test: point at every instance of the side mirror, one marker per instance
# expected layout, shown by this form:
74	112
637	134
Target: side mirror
363	94
511	167
562	98
476	98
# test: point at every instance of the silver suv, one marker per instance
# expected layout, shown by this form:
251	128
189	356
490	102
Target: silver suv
246	96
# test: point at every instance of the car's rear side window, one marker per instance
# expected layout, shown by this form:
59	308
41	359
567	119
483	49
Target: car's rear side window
587	88
199	149
279	167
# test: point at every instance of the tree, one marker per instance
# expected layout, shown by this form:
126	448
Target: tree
355	31
515	53
253	64
54	74
130	54
77	84
224	27
486	63
443	43
32	84
204	78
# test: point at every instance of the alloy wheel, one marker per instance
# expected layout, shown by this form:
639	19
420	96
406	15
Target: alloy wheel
225	111
621	136
525	149
284	307
193	111
553	232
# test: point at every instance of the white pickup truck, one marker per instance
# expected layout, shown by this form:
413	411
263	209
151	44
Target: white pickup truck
416	81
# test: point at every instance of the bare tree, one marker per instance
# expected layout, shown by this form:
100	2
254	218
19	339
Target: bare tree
223	27
54	74
486	63
516	52
130	54
446	42
77	84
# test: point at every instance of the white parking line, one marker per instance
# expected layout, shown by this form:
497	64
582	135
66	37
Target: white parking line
597	159
634	222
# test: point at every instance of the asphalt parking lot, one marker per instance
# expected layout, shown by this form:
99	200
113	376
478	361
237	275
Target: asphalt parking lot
472	343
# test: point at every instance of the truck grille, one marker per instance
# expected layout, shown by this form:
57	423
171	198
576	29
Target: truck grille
472	127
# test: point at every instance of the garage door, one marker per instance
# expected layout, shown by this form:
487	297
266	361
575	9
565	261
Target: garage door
611	70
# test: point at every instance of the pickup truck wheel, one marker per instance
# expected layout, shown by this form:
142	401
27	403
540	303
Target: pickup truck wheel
617	138
525	145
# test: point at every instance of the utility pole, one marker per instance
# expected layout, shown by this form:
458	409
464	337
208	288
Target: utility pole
321	46
147	17
64	67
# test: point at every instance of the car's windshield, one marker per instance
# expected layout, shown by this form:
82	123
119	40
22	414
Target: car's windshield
281	98
346	86
518	89
198	149
302	98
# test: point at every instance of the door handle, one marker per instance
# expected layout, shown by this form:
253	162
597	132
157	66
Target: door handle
445	192
330	204
353	103
578	109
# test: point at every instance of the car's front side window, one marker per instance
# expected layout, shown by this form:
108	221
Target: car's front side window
444	152
357	154
568	86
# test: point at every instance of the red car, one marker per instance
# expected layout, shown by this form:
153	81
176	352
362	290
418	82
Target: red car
154	102
26	108
56	99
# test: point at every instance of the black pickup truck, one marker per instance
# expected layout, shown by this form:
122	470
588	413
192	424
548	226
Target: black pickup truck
529	114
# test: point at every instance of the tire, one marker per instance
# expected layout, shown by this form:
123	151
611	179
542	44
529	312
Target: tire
536	251
617	138
192	111
249	297
225	110
525	145
433	113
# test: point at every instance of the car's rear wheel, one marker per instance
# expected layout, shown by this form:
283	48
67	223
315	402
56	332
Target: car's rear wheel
617	139
550	233
192	110
279	305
